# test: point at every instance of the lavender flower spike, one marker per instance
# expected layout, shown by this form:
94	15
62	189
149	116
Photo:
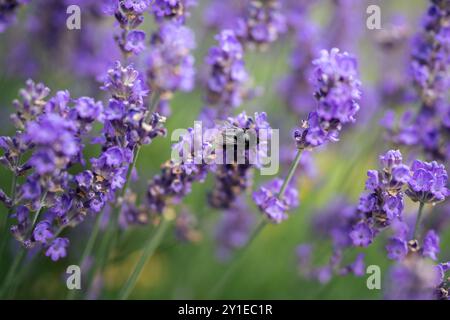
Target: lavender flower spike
8	9
129	15
383	202
233	176
170	62
263	23
337	91
428	183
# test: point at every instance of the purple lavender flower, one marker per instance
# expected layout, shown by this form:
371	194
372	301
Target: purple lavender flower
337	86
58	249
426	128
31	105
361	234
226	83
430	54
176	177
126	114
84	56
417	278
263	23
344	28
337	92
412	281
244	136
430	247
393	44
129	15
324	273
8	10
124	84
221	15
428	183
335	222
53	131
266	198
397	249
42	232
383	202
55	142
136	6
132	214
357	267
135	41
442	291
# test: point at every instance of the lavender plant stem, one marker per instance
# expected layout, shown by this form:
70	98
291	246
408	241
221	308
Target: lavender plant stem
151	245
114	230
291	172
21	254
111	236
38	212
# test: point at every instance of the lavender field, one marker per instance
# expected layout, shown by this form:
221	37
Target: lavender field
212	149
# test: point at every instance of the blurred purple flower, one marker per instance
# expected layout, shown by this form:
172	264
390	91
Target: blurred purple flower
58	249
233	229
135	41
262	24
266	198
428	183
173	10
337	92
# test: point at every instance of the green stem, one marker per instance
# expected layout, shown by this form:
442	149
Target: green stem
115	230
19	257
88	249
13	193
38	212
12	271
5	233
130	171
418	220
150	246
